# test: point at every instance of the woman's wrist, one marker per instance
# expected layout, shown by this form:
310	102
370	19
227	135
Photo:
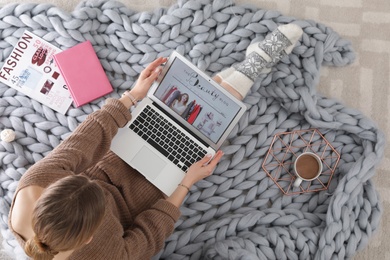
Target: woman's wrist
133	92
187	183
126	102
130	98
184	186
178	196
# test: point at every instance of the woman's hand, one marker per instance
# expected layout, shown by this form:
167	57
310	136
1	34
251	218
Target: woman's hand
146	78
201	169
143	84
196	172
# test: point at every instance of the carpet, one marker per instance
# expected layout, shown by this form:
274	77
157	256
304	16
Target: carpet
237	212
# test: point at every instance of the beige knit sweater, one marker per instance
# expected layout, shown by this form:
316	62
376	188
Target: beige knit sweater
138	219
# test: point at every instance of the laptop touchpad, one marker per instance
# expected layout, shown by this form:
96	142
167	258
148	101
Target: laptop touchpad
148	163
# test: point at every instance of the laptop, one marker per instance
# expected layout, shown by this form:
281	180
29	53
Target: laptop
184	116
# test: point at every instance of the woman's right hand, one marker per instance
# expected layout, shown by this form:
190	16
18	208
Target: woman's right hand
195	173
201	169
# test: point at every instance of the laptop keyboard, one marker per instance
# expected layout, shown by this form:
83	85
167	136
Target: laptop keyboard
167	138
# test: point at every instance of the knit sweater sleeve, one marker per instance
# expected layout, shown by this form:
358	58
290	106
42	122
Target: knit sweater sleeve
89	142
150	230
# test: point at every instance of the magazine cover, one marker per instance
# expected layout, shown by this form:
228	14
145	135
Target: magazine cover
31	70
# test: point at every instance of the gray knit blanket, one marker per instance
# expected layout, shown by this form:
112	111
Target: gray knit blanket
238	212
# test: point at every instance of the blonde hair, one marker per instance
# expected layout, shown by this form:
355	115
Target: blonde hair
65	217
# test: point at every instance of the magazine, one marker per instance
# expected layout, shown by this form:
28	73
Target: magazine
31	70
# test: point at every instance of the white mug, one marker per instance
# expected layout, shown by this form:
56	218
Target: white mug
307	167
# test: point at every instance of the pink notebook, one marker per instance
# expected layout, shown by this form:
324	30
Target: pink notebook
83	73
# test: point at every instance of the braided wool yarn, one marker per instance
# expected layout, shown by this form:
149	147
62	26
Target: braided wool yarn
238	212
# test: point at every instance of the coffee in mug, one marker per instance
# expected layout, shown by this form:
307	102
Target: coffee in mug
307	167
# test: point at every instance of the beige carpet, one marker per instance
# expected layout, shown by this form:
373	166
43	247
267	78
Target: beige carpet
365	85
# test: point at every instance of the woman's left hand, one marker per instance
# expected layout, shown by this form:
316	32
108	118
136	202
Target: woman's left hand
146	78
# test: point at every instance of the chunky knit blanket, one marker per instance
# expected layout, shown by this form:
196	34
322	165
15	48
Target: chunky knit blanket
238	212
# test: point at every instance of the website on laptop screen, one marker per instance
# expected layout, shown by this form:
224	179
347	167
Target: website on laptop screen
196	100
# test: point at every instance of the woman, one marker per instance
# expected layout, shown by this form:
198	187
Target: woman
179	105
83	202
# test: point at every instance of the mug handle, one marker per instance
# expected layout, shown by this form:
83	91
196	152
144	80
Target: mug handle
297	182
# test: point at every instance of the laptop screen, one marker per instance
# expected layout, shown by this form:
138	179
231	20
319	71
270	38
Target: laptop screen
196	100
